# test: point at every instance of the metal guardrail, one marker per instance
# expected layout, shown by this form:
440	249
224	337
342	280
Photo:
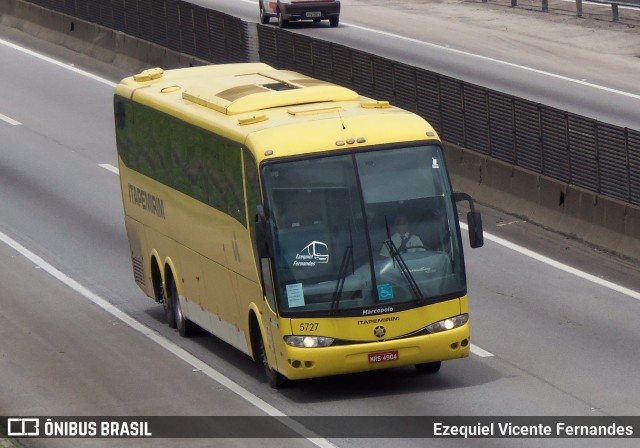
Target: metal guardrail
579	6
614	6
573	149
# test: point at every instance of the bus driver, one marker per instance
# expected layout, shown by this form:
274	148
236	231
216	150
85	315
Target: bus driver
403	239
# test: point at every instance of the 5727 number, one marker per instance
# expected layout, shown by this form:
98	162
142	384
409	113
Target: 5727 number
308	326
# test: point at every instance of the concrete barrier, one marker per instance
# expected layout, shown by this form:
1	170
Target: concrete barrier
98	42
598	220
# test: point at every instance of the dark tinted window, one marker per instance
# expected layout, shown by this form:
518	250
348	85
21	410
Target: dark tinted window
182	156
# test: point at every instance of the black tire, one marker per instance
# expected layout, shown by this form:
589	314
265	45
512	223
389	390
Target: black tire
275	380
282	23
185	327
168	309
334	21
264	18
429	367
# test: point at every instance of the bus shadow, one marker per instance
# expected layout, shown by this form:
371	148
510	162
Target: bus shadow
454	375
207	341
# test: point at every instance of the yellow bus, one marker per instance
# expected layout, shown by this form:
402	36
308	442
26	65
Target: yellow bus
269	208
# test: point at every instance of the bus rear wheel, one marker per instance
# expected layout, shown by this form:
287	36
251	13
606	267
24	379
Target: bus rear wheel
168	309
185	327
275	380
429	367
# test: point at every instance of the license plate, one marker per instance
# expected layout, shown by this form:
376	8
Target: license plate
375	358
314	14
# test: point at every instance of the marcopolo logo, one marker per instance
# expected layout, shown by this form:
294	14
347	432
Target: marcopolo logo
313	253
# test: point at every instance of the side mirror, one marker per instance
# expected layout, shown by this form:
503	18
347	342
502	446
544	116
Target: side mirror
474	221
476	234
262	234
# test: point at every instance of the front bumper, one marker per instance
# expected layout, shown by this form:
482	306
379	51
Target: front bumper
335	360
310	11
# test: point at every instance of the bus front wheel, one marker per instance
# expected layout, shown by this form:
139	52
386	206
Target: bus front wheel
429	367
275	380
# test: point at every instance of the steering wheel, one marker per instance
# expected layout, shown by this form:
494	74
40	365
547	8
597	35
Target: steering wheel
406	249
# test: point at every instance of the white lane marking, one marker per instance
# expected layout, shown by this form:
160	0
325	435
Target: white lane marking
165	343
561	266
58	63
9	120
503	224
480	352
111	168
486	58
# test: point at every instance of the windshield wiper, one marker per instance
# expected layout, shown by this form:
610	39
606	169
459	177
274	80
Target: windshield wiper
342	275
397	258
408	276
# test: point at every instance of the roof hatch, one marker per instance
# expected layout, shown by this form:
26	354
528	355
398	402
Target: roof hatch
233	95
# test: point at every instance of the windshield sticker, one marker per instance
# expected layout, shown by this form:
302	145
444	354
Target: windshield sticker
313	253
385	292
428	270
434	164
295	296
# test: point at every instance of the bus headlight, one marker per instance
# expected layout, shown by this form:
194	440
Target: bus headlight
448	324
308	341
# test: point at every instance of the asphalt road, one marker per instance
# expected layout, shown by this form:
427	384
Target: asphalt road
560	344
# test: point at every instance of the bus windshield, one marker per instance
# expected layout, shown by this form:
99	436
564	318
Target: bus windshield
362	230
